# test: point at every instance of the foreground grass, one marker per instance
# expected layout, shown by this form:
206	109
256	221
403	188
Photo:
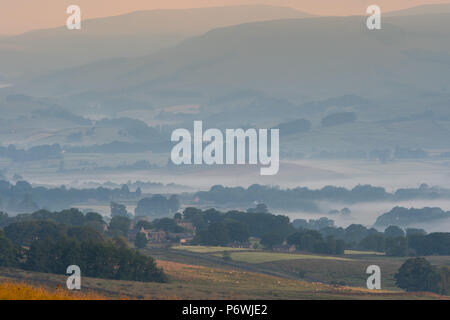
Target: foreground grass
262	257
188	281
22	291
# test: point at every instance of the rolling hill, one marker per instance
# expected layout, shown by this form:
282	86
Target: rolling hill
300	59
396	80
129	35
421	10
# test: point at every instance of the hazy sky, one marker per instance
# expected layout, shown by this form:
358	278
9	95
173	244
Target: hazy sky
17	16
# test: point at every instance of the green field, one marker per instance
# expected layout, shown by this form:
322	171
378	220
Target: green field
349	270
262	256
358	252
207	249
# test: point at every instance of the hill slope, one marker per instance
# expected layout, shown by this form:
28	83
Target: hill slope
421	10
296	59
128	35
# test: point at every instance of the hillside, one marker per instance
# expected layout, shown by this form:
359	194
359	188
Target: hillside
421	10
129	35
291	57
199	282
307	68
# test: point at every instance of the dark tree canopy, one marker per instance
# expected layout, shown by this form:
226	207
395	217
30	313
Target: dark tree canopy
417	274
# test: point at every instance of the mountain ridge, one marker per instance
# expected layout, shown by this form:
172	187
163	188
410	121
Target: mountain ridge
130	35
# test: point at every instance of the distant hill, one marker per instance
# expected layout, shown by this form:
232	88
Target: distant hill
265	73
420	10
300	59
130	35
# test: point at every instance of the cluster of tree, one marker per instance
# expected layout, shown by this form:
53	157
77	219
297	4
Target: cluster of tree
36	153
357	236
108	260
9	254
25	232
118	209
167	225
22	197
306	199
313	241
319	236
25	226
157	205
417	274
423	192
437	243
222	233
219	228
393	241
313	224
403	216
47	242
119	226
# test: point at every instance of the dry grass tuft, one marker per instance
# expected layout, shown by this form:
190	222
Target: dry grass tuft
22	291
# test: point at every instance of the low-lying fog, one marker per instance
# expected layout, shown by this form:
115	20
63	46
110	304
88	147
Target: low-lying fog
309	173
367	213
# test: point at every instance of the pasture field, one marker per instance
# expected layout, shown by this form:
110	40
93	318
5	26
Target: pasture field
359	252
207	249
263	256
349	270
260	275
200	282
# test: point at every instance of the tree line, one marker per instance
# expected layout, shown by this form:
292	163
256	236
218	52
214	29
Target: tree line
22	197
306	199
51	241
318	236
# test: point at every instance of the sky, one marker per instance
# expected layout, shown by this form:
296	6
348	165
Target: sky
18	16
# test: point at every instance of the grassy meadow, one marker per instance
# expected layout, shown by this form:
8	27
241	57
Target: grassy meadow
202	273
262	256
